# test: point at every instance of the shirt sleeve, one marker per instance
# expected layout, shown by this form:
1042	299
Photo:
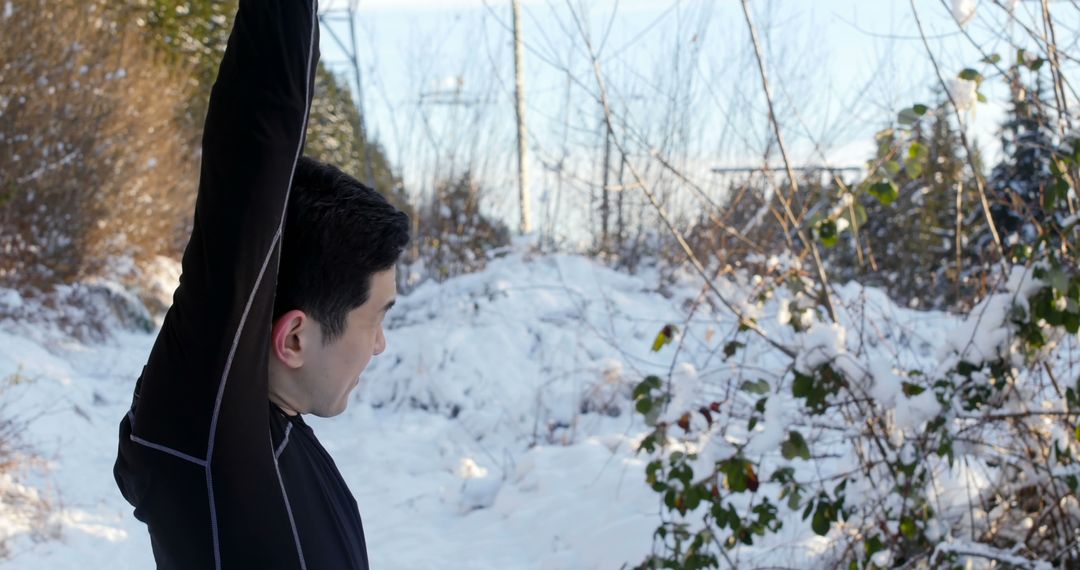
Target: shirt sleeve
203	394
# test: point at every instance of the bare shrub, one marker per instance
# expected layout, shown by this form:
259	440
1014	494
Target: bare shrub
454	236
24	509
92	162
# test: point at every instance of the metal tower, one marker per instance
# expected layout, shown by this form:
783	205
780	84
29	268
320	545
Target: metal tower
338	19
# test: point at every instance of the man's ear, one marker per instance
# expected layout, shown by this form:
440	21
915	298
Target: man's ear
286	340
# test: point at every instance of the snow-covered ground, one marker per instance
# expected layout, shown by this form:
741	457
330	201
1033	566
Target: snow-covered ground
497	429
465	446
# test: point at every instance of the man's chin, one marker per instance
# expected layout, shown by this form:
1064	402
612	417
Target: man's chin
337	408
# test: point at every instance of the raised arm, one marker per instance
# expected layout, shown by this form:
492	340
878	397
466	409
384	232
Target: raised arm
252	139
203	394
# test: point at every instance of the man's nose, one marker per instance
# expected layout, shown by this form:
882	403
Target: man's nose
380	344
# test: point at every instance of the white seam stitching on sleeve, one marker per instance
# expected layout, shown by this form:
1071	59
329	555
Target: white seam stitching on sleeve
284	442
168	450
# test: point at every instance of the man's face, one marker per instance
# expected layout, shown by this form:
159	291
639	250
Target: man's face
323	375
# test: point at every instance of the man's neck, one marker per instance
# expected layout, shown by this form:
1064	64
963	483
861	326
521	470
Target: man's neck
281	405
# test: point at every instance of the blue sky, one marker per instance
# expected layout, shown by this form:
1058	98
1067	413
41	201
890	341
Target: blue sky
438	79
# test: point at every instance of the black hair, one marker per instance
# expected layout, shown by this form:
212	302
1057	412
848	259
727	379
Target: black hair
338	233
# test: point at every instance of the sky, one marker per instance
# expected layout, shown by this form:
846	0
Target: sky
438	85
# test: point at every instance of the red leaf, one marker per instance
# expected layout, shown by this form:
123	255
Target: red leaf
751	478
708	416
684	422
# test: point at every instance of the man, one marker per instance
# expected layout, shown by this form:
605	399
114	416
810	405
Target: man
279	308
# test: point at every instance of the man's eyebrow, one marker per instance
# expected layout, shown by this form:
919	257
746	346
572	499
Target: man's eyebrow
388	305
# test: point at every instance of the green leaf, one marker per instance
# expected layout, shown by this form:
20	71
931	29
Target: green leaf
980	97
731	347
860	216
643	406
795	446
971	75
907	117
693	498
919	109
992	59
755	387
1071	322
828	234
913	169
886	192
793	500
645	386
821	521
803	385
892	167
917	151
735	475
907	527
664	337
917	154
1058	280
1077	434
912	389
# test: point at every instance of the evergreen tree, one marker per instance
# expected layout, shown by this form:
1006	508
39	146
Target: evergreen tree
196	32
906	213
193	33
334	136
1017	183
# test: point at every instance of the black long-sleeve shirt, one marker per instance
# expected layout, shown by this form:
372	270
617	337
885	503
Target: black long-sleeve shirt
219	475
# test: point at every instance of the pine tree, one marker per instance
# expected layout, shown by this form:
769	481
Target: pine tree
1016	184
334	136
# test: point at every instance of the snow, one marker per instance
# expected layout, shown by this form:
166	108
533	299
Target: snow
981	336
466	436
963	93
497	430
10	299
821	344
982	553
964	10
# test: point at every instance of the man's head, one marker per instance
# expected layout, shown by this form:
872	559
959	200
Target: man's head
336	281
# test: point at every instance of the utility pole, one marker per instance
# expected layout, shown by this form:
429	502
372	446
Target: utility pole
605	206
519	95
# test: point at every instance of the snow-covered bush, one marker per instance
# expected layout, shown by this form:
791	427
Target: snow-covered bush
453	235
897	451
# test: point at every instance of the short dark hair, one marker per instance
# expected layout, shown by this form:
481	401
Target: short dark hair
338	233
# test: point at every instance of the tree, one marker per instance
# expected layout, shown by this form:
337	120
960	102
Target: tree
1017	183
334	136
905	213
192	32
